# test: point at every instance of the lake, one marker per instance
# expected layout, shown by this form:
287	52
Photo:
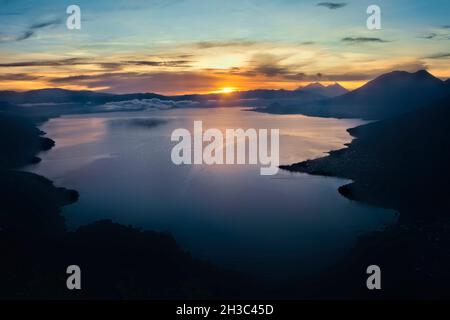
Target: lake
287	225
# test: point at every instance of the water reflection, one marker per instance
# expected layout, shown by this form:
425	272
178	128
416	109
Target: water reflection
285	225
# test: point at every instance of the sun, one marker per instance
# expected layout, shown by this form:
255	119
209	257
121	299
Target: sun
226	90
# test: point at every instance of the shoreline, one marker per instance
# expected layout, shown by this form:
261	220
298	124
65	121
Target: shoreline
401	164
37	248
108	241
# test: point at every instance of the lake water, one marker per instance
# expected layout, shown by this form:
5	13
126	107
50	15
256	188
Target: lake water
272	226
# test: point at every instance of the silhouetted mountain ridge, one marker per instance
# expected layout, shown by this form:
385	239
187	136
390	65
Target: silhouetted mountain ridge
56	95
330	91
386	96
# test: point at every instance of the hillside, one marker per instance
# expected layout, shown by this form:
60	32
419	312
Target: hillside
387	96
399	163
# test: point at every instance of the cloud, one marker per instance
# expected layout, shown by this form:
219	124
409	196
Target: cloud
428	36
45	24
36	26
26	35
18	77
146	104
174	63
445	55
110	65
366	75
435	36
92	61
332	5
222	44
148	63
359	40
169	82
362	76
440	33
411	66
45	63
80	78
269	67
266	64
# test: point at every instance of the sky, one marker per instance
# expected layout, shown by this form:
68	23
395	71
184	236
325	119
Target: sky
202	46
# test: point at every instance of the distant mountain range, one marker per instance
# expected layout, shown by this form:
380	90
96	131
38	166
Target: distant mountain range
388	95
330	91
313	92
69	96
262	94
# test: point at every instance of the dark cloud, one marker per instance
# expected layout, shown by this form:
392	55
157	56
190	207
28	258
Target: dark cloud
357	76
36	26
412	67
183	56
442	34
45	63
359	40
110	65
176	82
272	66
270	70
81	78
174	63
428	36
104	65
329	77
266	64
332	5
130	82
307	43
18	77
45	24
26	35
445	55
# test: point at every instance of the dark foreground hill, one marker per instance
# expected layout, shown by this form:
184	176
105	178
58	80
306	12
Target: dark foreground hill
20	140
400	163
117	262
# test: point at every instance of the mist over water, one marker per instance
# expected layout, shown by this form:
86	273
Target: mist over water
273	226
